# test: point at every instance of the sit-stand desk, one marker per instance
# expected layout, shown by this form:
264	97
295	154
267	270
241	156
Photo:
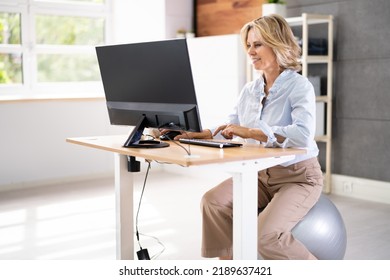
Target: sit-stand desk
242	162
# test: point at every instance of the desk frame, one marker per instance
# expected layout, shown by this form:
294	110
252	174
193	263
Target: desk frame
243	167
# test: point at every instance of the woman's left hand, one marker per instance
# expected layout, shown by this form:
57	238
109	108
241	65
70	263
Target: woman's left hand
235	130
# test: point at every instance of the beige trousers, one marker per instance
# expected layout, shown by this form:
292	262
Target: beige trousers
285	193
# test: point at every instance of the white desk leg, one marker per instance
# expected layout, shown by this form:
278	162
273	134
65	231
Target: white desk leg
245	206
124	209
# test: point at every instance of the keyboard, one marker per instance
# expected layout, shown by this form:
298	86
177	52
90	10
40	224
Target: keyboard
210	143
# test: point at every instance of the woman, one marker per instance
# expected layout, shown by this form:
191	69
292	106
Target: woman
276	110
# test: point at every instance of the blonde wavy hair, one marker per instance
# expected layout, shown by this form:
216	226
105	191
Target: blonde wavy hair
274	31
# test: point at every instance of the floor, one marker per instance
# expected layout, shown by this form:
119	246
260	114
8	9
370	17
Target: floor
77	220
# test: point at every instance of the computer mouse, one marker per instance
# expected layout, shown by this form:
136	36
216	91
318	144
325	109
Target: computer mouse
169	135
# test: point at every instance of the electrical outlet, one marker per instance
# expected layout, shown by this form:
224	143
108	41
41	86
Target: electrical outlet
347	187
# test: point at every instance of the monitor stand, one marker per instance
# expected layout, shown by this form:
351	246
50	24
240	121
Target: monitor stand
134	139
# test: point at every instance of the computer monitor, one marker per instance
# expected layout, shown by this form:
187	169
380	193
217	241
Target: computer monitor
149	84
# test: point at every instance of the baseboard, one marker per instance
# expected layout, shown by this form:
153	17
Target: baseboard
361	188
55	181
69	179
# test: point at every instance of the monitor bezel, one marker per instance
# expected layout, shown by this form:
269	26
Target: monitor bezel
171	55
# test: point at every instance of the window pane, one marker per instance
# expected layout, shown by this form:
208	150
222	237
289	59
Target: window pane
10	68
63	30
67	68
9	28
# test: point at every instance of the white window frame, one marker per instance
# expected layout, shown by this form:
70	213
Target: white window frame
30	89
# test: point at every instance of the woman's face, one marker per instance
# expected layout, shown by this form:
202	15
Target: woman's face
262	56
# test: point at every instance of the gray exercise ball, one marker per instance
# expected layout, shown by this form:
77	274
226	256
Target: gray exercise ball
322	231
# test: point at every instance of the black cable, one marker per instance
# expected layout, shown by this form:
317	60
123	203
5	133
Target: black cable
143	253
189	146
181	146
139	205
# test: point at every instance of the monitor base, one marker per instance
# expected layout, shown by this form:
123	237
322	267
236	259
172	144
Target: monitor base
147	144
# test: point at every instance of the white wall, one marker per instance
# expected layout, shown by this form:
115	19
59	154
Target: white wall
178	15
148	20
32	144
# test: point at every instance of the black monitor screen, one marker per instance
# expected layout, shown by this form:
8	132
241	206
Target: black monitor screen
149	84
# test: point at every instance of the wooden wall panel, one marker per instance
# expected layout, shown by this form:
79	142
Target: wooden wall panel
221	17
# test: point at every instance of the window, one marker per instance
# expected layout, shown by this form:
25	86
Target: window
47	47
10	57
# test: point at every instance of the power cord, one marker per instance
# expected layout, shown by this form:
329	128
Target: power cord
188	151
142	253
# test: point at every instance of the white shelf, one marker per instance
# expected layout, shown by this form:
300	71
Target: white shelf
310	18
317	59
322	138
305	20
322	98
